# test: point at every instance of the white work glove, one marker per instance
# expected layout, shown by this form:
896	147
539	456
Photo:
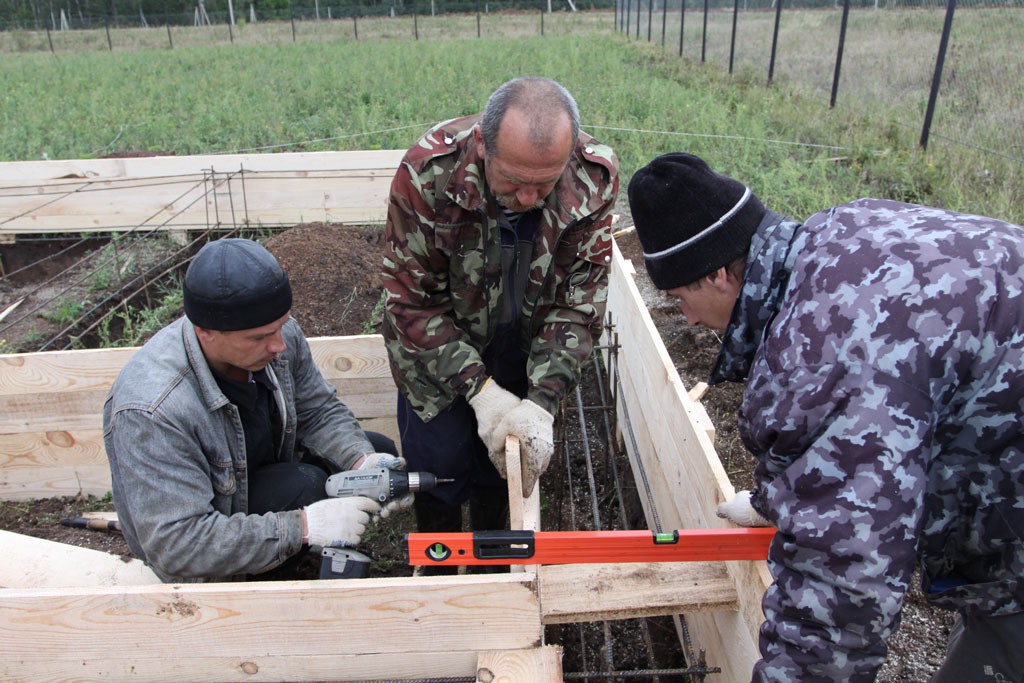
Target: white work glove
389	462
372	461
535	428
740	511
338	520
491	404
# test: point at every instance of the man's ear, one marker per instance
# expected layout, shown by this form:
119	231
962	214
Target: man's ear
203	334
478	140
718	279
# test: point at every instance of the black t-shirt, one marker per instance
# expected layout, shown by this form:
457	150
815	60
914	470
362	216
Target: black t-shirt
258	411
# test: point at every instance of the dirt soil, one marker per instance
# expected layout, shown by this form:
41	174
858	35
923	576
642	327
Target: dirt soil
336	281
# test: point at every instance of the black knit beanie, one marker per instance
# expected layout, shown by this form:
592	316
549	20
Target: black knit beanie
235	284
690	220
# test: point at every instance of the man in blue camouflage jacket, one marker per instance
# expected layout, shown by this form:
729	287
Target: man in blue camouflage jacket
883	348
496	271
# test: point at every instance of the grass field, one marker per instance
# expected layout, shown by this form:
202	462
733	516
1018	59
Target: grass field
386	88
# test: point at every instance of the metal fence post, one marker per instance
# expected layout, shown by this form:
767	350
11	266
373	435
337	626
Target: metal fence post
775	41
704	35
940	60
664	21
682	24
839	54
732	40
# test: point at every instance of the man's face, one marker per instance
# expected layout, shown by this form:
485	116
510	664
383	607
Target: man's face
519	176
708	302
236	353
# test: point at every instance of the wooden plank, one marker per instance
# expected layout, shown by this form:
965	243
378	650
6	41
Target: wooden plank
58	372
677	455
175	193
162	166
524	513
53	464
572	593
400	626
535	665
51	410
268	667
271	666
37	563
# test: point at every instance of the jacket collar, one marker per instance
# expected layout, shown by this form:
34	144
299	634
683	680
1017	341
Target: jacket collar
769	263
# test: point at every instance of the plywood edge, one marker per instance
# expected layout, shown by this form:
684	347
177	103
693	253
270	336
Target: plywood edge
595	592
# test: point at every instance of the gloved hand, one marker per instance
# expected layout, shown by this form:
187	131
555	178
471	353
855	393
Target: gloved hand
535	428
389	462
374	460
335	520
740	511
491	404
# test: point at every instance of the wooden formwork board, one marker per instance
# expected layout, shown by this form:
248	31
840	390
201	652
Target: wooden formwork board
51	410
273	631
195	192
678	474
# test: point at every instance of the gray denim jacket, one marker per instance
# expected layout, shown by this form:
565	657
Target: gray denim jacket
177	457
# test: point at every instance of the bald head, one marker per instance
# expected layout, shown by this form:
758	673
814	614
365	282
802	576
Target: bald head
544	109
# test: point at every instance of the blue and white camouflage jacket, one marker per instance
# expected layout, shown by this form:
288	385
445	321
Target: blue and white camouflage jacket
883	348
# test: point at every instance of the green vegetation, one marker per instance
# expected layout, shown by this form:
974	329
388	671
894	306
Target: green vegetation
65	312
798	154
138	324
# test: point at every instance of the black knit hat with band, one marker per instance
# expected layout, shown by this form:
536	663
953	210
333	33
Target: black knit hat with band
235	284
690	220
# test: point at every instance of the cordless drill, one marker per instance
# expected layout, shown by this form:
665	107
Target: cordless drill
381	485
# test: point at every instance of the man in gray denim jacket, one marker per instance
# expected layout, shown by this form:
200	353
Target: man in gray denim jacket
221	431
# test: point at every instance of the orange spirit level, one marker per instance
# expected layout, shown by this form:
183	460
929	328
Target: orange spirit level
587	547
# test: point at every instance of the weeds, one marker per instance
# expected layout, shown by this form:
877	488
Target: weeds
372	326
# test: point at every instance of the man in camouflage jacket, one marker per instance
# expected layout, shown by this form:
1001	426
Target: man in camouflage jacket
496	265
883	348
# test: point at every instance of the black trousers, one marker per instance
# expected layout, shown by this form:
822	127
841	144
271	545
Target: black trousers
292	485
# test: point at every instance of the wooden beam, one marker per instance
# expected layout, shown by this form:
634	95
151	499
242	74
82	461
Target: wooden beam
680	478
195	192
289	630
51	410
572	593
37	563
535	665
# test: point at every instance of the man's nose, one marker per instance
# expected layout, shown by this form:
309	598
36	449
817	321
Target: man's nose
691	317
527	195
276	344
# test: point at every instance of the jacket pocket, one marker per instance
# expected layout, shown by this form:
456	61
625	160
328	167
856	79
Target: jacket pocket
222	476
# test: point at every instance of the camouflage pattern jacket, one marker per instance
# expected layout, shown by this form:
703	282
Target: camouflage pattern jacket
443	276
884	406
